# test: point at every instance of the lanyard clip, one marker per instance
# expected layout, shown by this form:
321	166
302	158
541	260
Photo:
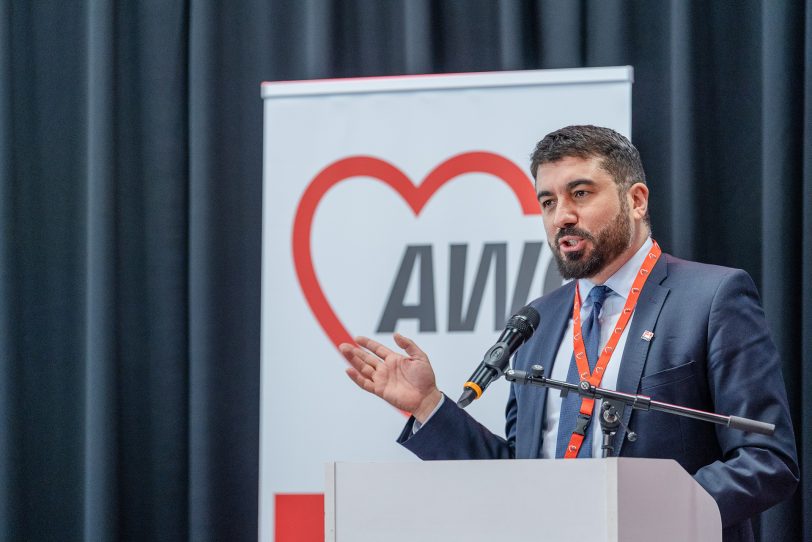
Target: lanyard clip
582	424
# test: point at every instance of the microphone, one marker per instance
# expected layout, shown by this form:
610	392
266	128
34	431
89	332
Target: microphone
519	329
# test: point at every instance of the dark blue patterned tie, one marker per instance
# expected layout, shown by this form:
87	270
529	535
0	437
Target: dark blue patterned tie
570	406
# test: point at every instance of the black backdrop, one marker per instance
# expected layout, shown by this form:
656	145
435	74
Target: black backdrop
130	189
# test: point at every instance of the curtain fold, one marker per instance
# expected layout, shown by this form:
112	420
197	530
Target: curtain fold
782	209
226	42
100	405
9	481
682	85
803	414
130	217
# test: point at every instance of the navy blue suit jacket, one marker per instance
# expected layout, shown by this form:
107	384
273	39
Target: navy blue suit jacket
711	351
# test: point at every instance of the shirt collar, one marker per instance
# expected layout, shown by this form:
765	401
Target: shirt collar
621	282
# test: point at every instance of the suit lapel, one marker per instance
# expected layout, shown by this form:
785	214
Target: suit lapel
636	350
557	314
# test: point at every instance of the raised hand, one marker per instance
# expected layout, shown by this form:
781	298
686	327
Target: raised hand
405	382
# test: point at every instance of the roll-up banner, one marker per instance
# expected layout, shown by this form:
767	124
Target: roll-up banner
397	204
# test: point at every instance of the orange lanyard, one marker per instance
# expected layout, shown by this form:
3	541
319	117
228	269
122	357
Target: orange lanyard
594	379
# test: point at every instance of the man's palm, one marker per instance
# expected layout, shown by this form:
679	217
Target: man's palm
406	382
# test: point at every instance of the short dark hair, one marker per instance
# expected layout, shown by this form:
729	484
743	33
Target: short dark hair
618	156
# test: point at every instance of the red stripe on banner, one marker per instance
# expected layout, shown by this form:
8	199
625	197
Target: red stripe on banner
299	517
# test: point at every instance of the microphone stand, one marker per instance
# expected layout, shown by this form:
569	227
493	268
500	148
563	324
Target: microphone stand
615	402
610	418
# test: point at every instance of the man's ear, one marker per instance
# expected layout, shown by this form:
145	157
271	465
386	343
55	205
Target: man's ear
638	200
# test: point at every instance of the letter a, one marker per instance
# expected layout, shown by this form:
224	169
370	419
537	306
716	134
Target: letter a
396	308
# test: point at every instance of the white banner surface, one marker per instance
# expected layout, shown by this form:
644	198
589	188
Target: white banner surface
397	204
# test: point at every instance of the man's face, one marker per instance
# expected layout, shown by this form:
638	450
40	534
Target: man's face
588	224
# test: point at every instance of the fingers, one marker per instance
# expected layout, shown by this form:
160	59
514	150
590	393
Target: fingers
374	346
381	351
409	346
363	365
359	358
362	382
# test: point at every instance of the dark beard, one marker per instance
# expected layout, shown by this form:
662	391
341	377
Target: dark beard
609	244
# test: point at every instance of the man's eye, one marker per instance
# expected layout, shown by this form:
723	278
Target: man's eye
580	193
547	203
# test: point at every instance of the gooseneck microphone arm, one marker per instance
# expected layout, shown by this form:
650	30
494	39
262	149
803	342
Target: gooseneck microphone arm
519	329
640	402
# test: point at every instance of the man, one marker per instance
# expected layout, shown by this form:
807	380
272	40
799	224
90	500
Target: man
634	320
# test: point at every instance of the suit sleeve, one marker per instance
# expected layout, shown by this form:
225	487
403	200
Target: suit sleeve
744	376
453	434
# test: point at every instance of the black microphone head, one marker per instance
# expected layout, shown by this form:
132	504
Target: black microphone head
525	321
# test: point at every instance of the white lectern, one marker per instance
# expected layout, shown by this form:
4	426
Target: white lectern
616	499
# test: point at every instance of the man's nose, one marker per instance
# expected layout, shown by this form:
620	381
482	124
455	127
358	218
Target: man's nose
564	216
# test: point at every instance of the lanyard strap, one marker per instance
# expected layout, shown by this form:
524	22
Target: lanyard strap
594	379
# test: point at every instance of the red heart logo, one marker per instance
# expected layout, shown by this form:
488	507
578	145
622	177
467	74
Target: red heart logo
416	196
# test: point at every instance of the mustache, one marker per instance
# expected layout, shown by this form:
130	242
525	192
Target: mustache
573	231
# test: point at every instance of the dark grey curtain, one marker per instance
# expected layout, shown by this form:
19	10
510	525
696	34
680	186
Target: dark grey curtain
130	189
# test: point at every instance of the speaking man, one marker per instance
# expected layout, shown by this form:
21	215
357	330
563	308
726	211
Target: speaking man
635	319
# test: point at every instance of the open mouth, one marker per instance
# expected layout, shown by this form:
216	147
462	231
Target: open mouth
571	243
